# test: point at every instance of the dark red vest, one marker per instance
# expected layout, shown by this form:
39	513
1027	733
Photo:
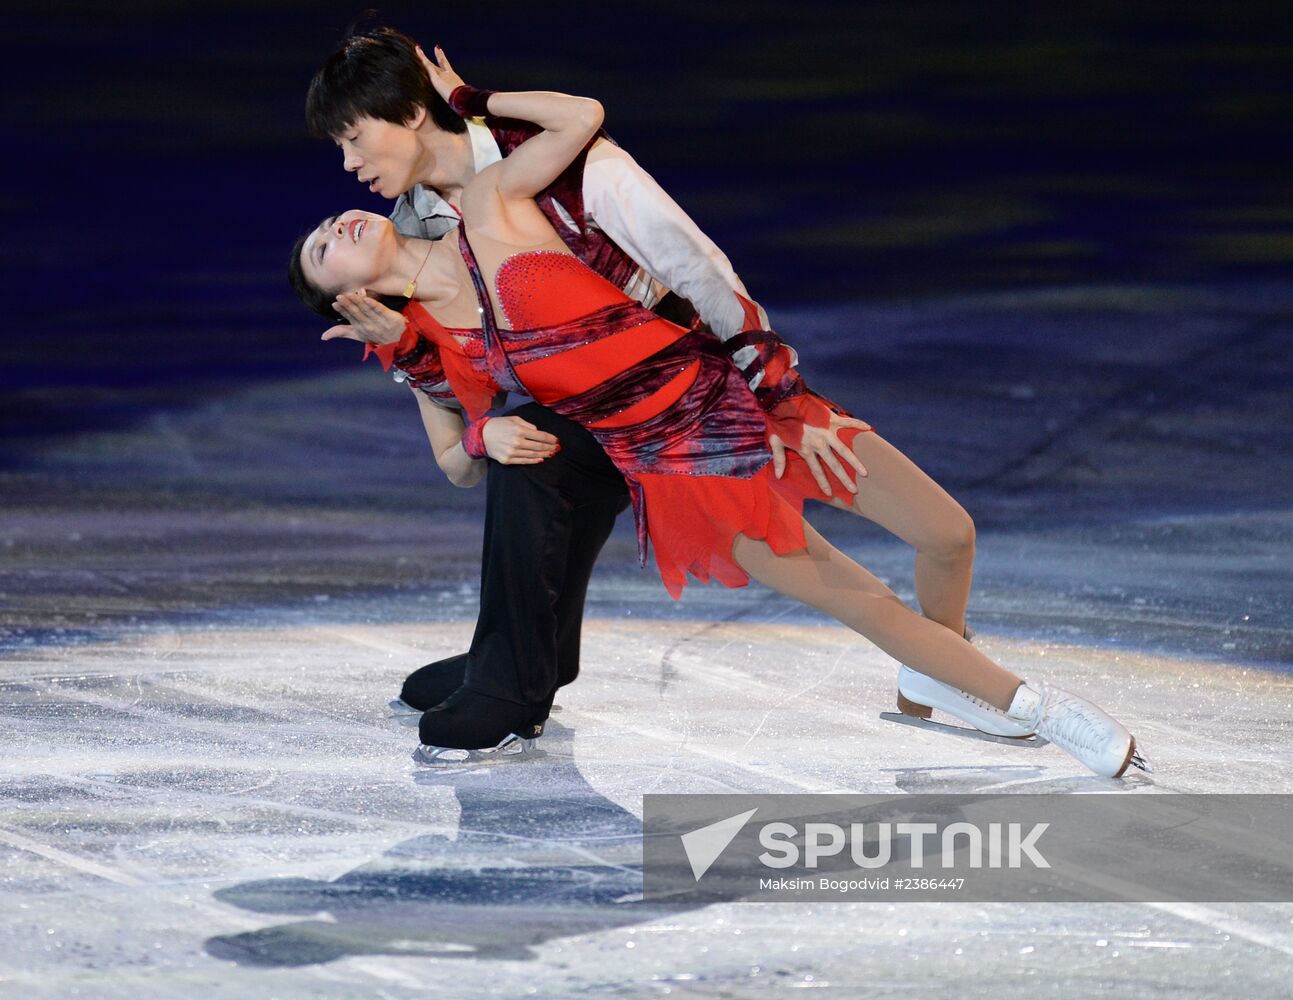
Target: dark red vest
592	246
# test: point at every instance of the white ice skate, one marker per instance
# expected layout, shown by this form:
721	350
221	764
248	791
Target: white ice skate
919	694
511	748
1076	725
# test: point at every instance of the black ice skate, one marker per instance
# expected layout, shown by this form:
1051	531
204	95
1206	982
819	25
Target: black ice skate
471	728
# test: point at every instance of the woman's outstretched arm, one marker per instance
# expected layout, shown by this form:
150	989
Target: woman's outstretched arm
568	124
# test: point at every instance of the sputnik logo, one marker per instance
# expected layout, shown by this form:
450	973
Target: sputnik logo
703	846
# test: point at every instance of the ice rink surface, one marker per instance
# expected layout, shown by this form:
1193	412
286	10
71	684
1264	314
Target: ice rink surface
204	794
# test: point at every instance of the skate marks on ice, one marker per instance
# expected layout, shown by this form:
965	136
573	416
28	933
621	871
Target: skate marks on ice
262	764
1209	370
798	704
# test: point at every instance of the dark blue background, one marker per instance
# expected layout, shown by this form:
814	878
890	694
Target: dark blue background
159	168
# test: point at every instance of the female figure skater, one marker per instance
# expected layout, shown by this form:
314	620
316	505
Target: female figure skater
508	307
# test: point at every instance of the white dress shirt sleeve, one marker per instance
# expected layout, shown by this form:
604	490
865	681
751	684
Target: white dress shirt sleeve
629	206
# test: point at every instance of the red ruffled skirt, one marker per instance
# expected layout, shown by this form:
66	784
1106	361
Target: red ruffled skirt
693	520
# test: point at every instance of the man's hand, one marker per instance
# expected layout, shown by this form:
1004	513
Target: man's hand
513	441
370	322
443	78
816	445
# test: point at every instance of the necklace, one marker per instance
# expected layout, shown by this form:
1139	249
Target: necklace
412	286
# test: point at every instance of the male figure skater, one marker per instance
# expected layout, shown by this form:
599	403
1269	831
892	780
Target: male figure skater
552	494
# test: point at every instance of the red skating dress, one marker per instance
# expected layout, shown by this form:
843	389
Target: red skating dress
668	406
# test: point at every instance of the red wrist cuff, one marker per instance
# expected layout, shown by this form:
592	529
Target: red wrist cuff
470	102
473	438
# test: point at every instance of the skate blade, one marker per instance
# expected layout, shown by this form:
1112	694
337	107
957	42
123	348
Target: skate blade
513	749
404	713
1138	759
1029	742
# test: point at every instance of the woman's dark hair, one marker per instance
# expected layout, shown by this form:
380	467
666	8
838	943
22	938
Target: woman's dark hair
315	298
375	74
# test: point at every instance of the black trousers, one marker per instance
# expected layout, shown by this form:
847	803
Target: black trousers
545	525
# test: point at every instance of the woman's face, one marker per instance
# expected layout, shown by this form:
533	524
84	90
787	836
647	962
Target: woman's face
349	251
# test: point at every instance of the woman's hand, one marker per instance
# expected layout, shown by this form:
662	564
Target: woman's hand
370	322
513	441
443	78
816	445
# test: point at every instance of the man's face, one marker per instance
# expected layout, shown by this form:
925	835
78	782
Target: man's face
349	251
381	154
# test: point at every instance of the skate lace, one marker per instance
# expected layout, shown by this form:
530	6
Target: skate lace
986	706
1071	724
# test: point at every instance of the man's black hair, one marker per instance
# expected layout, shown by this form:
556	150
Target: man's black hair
375	74
315	298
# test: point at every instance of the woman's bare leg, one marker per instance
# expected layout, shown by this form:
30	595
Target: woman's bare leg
902	499
826	579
